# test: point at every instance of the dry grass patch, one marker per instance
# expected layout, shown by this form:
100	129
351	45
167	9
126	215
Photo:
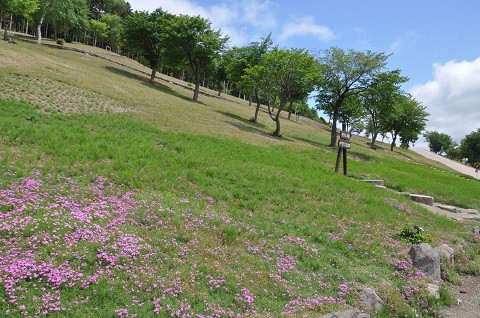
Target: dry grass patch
58	97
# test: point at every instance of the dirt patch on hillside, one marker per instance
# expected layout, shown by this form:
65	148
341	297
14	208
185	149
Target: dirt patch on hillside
58	97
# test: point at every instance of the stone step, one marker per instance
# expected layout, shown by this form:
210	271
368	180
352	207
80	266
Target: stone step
423	199
375	182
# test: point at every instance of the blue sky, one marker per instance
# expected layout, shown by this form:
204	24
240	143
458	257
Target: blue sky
435	43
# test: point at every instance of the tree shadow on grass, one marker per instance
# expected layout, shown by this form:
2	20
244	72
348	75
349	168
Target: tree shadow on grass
241	119
251	127
157	85
316	144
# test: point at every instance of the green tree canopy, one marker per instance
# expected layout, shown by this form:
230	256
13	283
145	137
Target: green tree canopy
192	40
99	30
8	7
344	73
438	142
281	75
145	34
99	7
63	15
470	147
407	120
114	29
379	100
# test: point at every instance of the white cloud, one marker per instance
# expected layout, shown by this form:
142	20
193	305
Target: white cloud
258	14
243	21
452	98
306	27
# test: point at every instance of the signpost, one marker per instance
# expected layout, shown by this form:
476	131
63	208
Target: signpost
343	144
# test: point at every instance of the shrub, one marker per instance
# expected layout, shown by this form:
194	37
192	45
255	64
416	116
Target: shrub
449	273
446	297
60	41
395	304
413	235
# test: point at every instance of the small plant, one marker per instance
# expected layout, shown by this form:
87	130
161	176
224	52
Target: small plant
60	41
446	297
413	235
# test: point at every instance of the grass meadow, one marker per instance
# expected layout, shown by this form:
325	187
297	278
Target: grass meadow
121	198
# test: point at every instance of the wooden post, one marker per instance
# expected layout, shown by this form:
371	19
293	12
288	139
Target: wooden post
339	156
343	145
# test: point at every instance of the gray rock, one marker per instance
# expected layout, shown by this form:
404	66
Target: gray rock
448	208
476	230
433	290
423	199
371	300
446	252
347	314
375	182
426	259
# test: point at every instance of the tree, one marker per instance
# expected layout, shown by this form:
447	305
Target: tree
192	40
454	152
343	74
352	111
239	59
282	74
407	120
117	7
379	99
470	147
114	30
64	15
145	34
67	15
99	30
8	7
438	143
242	67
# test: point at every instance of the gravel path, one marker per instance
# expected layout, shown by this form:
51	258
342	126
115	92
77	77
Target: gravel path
468	294
450	163
469	297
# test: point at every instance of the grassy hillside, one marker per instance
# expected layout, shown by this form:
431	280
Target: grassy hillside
125	198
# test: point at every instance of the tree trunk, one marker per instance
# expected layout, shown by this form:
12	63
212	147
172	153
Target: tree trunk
250	100
26	27
374	138
258	106
10	23
394	137
197	88
4	21
153	74
277	118
333	136
290	110
277	129
39	26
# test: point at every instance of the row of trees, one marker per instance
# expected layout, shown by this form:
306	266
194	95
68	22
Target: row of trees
351	87
443	144
88	21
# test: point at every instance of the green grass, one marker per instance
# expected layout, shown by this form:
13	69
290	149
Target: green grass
214	209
